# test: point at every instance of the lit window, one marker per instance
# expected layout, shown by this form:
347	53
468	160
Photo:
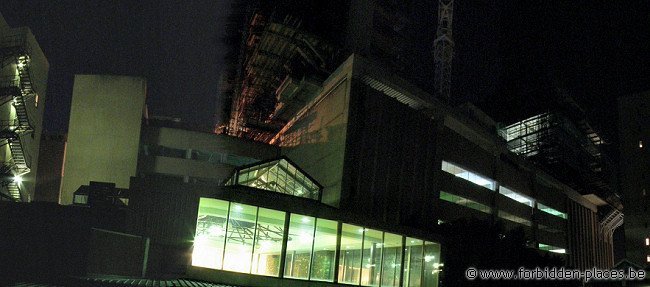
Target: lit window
299	246
268	242
551	211
392	260
468	175
413	255
647	241
350	257
210	233
322	267
516	196
551	248
36	101
278	176
647	258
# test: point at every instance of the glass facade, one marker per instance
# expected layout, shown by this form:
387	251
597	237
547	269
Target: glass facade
299	246
464	202
268	242
350	258
277	176
551	211
243	238
518	197
468	175
324	250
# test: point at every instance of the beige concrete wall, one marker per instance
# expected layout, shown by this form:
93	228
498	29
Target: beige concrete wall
197	141
316	139
104	132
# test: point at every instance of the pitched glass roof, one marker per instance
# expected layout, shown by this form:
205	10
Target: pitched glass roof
278	175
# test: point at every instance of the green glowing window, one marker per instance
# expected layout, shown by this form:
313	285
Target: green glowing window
322	267
278	176
210	233
551	248
299	246
551	211
243	238
464	202
268	242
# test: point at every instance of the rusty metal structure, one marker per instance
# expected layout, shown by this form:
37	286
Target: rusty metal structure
275	50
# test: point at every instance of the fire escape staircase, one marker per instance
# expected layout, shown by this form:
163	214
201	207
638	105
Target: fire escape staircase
614	219
14	89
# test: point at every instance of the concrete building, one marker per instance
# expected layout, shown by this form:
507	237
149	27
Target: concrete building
104	132
196	157
382	147
369	166
50	167
24	69
634	137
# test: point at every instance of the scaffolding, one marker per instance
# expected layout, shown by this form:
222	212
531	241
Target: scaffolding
273	50
566	148
14	50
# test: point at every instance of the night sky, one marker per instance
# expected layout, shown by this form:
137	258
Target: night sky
174	44
595	50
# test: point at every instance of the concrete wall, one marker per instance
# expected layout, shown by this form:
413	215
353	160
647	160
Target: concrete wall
315	140
48	180
115	253
104	132
216	170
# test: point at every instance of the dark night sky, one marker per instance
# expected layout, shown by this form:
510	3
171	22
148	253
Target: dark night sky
597	50
174	44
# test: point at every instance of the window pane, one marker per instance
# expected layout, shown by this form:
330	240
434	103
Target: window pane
372	248
467	175
551	211
324	250
268	242
431	264
516	196
350	258
239	241
551	248
210	233
392	260
299	246
413	262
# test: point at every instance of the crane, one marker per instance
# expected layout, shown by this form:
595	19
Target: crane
444	49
